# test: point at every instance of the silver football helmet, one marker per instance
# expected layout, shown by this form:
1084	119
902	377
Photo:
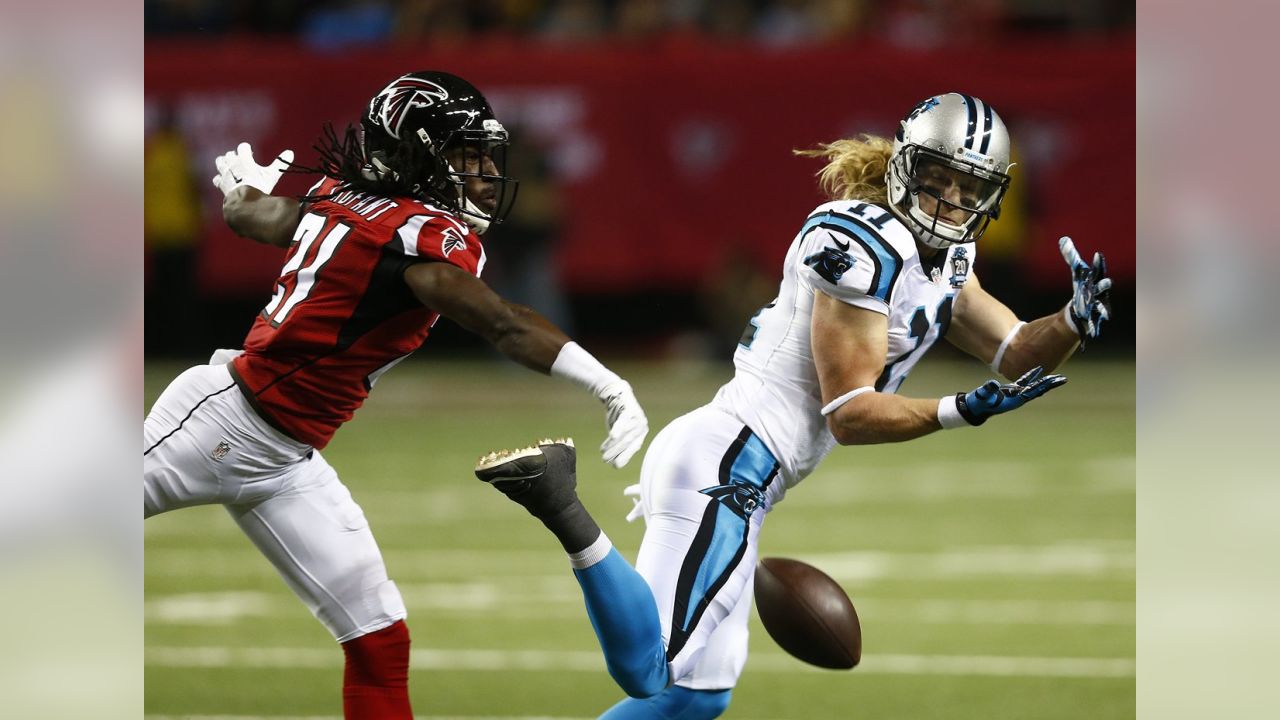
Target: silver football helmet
953	149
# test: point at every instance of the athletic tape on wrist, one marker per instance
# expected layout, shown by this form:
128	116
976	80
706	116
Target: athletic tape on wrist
949	413
1066	315
1004	345
582	369
835	404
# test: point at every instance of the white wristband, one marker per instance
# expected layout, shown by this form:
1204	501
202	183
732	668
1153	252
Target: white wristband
835	404
995	362
949	414
582	369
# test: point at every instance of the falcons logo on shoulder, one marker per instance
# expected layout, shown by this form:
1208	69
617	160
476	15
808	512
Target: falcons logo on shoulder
453	240
406	93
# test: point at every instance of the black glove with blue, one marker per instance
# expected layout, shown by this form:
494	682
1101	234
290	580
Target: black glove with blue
1091	292
993	398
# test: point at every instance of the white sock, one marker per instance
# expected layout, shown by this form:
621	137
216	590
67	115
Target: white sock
594	553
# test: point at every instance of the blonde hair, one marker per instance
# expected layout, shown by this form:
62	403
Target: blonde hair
855	168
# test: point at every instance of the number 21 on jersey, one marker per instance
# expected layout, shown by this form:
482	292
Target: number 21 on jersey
296	282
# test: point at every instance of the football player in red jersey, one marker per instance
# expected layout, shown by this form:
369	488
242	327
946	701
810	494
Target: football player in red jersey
386	243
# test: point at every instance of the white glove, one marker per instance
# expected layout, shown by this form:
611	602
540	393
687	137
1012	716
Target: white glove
637	510
627	424
237	168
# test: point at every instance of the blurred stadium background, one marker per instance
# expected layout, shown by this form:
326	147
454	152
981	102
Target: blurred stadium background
994	571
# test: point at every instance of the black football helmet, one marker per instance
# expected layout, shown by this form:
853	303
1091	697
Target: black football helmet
418	122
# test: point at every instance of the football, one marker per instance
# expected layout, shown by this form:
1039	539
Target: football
807	613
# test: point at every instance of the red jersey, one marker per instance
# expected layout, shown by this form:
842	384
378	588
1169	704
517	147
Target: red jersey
341	314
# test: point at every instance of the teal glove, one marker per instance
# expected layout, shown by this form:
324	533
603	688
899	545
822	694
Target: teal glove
992	398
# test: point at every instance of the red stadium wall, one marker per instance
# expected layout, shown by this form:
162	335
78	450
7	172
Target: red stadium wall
672	157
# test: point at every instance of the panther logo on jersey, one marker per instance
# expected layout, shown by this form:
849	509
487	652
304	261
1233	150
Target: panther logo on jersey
395	101
742	500
453	240
831	263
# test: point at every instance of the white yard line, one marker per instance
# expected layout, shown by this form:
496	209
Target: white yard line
1076	559
587	661
471	599
1083	559
337	717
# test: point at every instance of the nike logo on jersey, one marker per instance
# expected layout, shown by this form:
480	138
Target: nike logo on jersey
831	263
844	246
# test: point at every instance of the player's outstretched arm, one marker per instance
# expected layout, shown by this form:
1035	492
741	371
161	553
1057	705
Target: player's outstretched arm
984	328
528	338
849	349
248	206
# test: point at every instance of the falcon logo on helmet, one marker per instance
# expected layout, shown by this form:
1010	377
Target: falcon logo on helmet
428	134
390	106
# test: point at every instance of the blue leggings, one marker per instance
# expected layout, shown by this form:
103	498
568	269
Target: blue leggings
674	703
625	618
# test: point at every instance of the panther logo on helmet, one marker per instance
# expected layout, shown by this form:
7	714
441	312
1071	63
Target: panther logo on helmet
391	105
921	108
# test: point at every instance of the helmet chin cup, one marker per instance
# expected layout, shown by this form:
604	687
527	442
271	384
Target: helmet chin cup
475	218
478	220
935	232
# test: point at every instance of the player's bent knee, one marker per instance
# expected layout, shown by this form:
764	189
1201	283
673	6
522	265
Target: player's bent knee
701	704
639	680
673	703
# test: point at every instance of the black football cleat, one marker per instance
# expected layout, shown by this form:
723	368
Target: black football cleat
542	478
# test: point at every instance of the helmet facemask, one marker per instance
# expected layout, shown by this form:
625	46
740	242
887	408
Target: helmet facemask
428	135
965	198
479	155
951	151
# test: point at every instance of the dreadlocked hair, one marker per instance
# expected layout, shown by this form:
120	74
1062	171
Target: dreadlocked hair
855	168
343	159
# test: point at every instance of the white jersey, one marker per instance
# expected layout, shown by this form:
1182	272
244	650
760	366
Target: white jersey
859	254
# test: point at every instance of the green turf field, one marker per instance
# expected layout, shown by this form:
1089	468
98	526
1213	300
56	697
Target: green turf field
993	569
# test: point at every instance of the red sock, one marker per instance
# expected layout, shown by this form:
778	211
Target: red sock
375	685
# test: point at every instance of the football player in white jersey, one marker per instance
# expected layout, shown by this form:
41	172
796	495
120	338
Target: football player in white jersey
871	281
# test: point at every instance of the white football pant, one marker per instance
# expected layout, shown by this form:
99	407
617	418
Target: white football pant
204	444
706	484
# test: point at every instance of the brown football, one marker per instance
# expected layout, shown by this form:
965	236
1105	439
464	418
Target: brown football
807	613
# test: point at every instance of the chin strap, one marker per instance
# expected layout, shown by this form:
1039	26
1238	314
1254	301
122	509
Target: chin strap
929	225
475	217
